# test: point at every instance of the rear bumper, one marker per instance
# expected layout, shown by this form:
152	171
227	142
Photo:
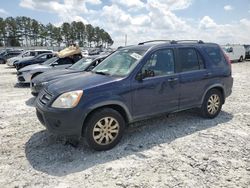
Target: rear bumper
229	87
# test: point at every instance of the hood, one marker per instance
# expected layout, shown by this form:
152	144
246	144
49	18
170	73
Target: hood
79	82
33	67
53	74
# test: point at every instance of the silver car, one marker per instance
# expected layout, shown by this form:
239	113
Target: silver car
27	73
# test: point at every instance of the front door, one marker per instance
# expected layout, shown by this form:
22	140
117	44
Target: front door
158	91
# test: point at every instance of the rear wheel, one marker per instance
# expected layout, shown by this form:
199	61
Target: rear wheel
104	129
241	59
212	104
2	61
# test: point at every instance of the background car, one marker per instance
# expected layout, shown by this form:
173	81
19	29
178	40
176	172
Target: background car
85	64
26	55
24	75
35	60
248	53
8	54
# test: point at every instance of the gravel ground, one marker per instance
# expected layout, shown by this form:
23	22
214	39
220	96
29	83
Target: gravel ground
182	150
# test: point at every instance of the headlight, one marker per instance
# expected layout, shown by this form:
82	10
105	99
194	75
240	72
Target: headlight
43	83
68	100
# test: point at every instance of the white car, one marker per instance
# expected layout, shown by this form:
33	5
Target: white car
235	52
25	56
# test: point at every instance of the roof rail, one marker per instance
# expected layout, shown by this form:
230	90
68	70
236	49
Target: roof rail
141	43
187	41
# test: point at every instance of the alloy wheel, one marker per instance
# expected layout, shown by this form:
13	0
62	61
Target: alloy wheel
106	130
213	104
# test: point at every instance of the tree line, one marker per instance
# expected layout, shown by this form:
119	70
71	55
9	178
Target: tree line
25	31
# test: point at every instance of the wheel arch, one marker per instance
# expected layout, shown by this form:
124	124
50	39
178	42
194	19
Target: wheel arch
217	87
35	74
118	106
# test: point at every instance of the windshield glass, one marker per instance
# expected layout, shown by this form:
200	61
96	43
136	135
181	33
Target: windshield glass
227	49
120	63
51	60
82	64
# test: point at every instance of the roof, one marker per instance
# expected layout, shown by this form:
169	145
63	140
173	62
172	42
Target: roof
166	43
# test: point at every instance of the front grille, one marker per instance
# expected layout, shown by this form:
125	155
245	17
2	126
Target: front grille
45	97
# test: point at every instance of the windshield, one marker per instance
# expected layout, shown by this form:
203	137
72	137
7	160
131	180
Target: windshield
51	60
227	49
120	63
82	64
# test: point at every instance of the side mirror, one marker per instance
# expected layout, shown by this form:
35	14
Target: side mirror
91	67
139	76
54	64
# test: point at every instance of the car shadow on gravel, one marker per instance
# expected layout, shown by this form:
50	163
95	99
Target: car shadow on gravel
49	154
21	85
31	102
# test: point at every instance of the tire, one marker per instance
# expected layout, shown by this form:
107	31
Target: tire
241	59
98	126
212	104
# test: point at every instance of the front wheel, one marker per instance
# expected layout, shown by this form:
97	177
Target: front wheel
104	129
212	104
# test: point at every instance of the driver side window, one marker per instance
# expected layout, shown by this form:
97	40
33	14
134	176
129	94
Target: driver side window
160	63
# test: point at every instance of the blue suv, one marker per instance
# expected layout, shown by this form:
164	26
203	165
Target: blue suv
135	83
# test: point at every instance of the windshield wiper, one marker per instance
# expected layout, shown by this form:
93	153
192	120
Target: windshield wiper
102	73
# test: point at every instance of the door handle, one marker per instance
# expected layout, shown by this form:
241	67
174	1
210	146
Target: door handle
172	79
208	74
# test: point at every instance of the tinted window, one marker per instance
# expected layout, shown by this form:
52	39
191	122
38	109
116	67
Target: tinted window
66	60
32	54
188	59
160	63
216	56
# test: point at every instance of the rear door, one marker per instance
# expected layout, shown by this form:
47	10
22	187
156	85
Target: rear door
193	76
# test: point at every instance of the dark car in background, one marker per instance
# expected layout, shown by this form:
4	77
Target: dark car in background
8	54
133	84
35	60
247	53
84	64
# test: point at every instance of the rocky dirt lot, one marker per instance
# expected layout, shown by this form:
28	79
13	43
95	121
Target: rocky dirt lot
182	150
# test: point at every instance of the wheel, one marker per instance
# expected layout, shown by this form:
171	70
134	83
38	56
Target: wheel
212	104
104	129
241	59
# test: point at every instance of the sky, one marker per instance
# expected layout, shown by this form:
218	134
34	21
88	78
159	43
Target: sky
220	21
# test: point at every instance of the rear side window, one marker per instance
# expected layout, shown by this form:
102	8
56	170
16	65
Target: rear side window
64	61
216	56
190	60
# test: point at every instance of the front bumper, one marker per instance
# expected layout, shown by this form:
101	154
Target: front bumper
64	122
23	77
35	87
